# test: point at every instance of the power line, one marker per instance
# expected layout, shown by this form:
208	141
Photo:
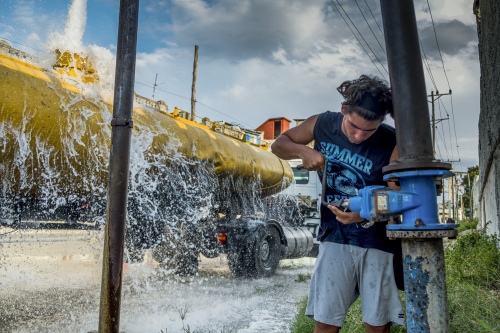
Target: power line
358	38
437	43
361	35
374	18
368	24
12	41
446	76
187	98
427	66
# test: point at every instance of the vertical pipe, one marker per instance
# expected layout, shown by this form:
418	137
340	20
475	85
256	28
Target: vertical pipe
423	259
409	96
111	283
425	286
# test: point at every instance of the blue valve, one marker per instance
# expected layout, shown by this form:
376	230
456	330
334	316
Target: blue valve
379	203
416	201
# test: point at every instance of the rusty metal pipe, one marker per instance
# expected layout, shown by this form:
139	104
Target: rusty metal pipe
423	258
111	283
407	79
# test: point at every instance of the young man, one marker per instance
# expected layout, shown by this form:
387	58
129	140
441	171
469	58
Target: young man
355	256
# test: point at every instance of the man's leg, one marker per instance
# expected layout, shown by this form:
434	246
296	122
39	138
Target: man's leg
324	328
380	301
378	329
333	287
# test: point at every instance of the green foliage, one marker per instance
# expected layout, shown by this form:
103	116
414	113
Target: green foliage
474	259
352	323
302	323
473	288
473	308
467	225
467	184
303	277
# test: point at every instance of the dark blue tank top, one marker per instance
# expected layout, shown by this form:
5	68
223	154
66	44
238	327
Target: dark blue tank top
352	167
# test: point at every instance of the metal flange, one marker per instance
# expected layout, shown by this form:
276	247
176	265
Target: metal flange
451	233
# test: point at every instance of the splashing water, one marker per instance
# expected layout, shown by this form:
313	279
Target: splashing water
173	205
74	29
60	172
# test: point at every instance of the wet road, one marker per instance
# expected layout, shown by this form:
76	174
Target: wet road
50	282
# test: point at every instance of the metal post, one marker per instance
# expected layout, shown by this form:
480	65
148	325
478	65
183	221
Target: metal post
111	283
416	168
423	262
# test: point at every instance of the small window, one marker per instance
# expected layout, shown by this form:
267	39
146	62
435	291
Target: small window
301	176
277	129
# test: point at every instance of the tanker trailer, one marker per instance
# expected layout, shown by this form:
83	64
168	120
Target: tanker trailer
54	152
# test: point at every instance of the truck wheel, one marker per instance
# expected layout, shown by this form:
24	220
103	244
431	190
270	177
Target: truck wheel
259	257
267	251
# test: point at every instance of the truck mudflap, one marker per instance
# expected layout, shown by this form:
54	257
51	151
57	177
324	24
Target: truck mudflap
299	242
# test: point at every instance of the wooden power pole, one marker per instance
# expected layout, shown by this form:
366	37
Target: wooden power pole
193	87
435	97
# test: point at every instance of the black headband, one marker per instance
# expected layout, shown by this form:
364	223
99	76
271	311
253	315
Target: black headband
368	102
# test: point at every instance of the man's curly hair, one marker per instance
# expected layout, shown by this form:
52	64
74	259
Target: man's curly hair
353	91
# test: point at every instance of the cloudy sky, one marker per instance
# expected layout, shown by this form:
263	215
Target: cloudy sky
260	59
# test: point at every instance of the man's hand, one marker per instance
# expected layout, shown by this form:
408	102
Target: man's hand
312	160
346	217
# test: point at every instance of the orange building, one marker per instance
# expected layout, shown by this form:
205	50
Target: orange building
273	127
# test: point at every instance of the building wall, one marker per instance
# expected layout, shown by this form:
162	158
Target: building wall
490	201
269	126
488	23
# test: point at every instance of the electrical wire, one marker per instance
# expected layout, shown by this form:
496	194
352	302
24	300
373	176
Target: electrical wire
374	18
189	99
368	24
12	41
358	38
437	43
446	76
427	66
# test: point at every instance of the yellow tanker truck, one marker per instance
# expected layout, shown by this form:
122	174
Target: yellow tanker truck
185	176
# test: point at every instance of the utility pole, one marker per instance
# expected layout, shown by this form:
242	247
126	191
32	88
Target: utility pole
193	87
453	197
443	219
155	85
434	120
470	190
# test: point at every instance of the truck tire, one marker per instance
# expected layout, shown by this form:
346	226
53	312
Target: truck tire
259	257
267	251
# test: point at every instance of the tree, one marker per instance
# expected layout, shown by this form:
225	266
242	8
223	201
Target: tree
467	182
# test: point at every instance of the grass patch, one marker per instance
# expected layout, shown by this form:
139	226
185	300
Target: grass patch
303	277
468	225
473	286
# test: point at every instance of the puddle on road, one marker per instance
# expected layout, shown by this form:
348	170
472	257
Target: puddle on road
50	282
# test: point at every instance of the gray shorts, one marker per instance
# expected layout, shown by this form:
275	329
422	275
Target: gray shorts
344	272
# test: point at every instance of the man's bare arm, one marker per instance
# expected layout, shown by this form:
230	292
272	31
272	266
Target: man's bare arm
293	144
